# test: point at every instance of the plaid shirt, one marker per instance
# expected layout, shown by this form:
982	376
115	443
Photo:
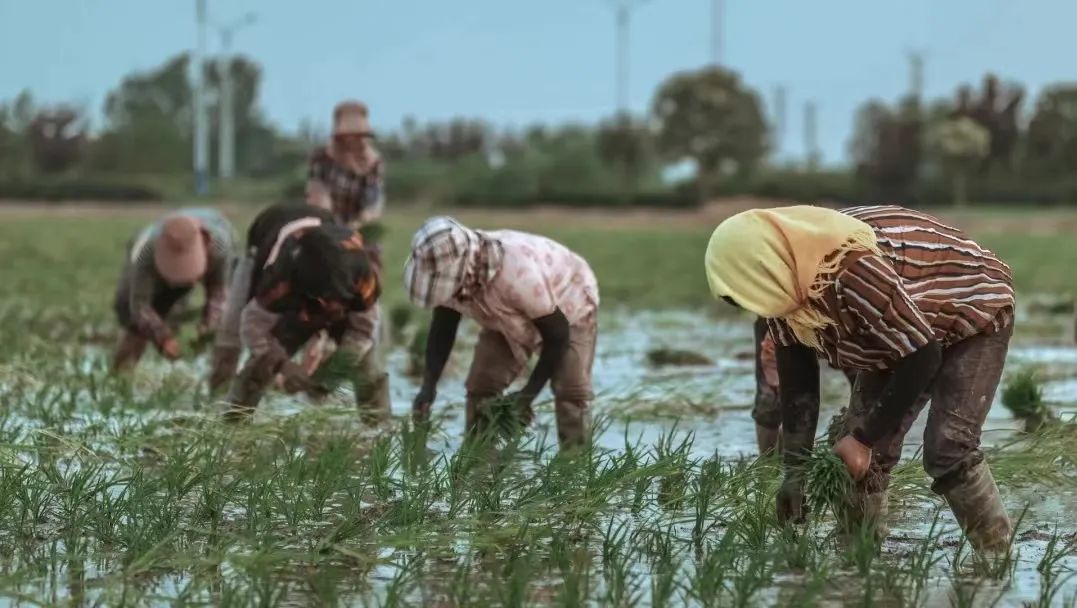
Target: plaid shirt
354	198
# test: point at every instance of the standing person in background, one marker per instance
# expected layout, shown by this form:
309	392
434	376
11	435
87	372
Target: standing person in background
528	294
346	177
162	264
922	311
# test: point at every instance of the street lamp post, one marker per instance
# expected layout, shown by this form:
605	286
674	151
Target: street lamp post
227	136
201	143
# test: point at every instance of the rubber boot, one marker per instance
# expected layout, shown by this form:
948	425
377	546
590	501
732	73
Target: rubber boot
128	352
768	440
573	423
247	389
978	507
372	399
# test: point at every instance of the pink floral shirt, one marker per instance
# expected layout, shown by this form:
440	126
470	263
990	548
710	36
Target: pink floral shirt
537	276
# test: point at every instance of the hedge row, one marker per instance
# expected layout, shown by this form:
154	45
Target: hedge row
76	190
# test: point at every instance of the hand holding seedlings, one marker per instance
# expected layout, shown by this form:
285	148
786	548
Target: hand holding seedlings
420	406
522	403
170	348
297	381
855	455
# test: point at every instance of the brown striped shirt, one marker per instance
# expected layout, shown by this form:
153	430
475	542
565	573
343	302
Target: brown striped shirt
932	281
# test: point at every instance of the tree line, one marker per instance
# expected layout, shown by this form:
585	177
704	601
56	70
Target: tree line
982	143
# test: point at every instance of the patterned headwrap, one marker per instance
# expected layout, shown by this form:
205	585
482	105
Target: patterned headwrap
773	262
449	260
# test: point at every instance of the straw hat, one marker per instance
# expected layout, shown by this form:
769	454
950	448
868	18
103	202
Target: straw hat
180	251
351	118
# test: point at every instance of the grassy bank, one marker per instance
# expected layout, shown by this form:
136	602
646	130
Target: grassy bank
643	260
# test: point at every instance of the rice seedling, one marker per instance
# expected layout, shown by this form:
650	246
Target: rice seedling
663	357
754	574
1023	396
828	483
338	369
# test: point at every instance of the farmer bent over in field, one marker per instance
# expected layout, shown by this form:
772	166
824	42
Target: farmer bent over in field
162	265
528	294
307	275
920	310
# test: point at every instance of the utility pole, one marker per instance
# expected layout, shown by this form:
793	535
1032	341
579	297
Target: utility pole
916	74
717	17
226	137
622	14
201	132
811	136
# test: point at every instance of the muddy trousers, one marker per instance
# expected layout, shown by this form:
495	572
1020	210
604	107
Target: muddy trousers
371	384
960	397
494	368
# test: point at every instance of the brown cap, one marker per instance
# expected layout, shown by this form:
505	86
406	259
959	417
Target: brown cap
351	118
180	251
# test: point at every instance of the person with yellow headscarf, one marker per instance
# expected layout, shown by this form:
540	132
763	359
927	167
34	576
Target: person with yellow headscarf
919	311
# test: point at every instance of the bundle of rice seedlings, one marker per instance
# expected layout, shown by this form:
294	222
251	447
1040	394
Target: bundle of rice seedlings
828	482
337	371
672	356
1023	396
503	418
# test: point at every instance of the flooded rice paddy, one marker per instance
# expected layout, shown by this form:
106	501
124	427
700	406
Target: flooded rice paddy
118	492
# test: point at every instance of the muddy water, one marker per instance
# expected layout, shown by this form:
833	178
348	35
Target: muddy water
714	403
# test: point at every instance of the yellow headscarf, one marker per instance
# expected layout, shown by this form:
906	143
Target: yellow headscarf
769	261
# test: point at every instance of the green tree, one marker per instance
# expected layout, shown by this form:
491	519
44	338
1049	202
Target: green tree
962	144
1051	142
886	148
712	117
15	118
260	150
56	139
623	144
996	108
149	121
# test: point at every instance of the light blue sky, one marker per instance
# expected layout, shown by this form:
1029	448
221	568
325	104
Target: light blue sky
514	62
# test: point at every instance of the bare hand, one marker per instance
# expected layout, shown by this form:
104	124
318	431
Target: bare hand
170	348
296	380
855	455
420	406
